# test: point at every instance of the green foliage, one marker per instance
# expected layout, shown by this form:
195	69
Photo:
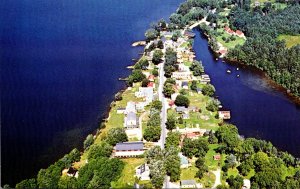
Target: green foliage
235	182
194	85
156	104
168	90
151	34
66	182
136	76
99	173
171	122
172	166
48	178
27	183
246	166
213	105
172	139
157	55
198	147
228	135
145	82
152	133
154	118
182	100
88	141
208	90
143	63
116	135
103	149
155	72
212	139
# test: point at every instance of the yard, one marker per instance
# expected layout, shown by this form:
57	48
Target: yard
209	158
231	44
127	178
290	40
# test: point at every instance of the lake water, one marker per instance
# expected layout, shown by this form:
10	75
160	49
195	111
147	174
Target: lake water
60	61
257	109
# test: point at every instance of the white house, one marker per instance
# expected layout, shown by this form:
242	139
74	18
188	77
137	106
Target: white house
131	120
130	107
182	75
142	172
183	68
128	149
145	92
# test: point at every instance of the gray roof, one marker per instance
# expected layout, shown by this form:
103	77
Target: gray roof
130	146
188	182
184	83
181	109
131	116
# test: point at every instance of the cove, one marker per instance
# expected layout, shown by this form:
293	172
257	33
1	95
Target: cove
257	109
60	64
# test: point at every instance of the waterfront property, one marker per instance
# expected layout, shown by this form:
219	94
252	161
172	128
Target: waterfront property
128	149
224	114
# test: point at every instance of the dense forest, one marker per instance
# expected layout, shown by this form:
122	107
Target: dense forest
262	48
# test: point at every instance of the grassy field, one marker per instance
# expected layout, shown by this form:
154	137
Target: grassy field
127	178
230	44
189	173
208	180
290	40
209	158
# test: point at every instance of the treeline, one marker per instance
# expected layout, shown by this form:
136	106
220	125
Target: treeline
262	25
98	171
268	167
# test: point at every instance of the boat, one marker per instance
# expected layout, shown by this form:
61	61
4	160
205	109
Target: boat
228	71
237	68
237	75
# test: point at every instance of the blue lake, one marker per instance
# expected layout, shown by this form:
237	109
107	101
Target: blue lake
60	64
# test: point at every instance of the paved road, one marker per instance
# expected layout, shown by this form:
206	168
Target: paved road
163	113
218	177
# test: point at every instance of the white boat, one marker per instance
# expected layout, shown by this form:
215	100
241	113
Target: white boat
228	71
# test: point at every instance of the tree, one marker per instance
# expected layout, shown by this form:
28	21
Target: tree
48	178
201	170
154	119
260	160
66	182
168	90
145	82
157	55
160	44
231	160
151	34
143	63
152	133
228	135
194	85
212	139
235	182
182	100
157	105
172	140
136	76
172	166
155	72
208	90
197	68
103	149
196	148
213	105
171	122
88	141
199	162
116	135
27	183
246	166
157	173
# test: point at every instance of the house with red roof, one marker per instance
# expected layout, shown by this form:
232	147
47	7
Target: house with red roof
239	33
151	78
151	84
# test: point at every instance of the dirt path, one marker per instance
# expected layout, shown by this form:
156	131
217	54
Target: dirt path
218	177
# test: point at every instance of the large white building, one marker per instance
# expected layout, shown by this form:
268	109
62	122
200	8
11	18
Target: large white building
128	149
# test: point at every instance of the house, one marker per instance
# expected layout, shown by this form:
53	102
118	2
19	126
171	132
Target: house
184	162
217	157
239	33
130	107
182	75
189	34
128	149
121	110
131	120
185	85
173	96
185	116
183	68
151	84
181	109
171	103
151	78
142	172
71	172
140	106
191	132
224	114
145	92
247	184
188	184
205	78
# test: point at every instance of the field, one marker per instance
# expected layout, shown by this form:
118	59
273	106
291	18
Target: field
290	40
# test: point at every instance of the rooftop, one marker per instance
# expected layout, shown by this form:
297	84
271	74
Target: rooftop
130	146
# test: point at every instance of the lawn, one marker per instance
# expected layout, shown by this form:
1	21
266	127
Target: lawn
208	180
230	44
290	40
209	157
189	173
233	171
261	2
127	178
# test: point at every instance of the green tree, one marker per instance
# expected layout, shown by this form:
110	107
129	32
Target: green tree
194	85
157	105
168	90
172	166
88	141
152	133
213	105
66	182
157	55
145	82
155	72
171	122
228	135
212	139
27	183
116	135
208	90
172	140
136	76
197	68
182	100
103	149
151	34
48	178
235	182
246	166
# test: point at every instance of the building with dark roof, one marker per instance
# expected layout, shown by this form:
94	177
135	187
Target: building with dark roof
128	149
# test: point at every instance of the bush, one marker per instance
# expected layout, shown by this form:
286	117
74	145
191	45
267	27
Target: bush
88	141
182	100
100	150
116	135
208	90
152	133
